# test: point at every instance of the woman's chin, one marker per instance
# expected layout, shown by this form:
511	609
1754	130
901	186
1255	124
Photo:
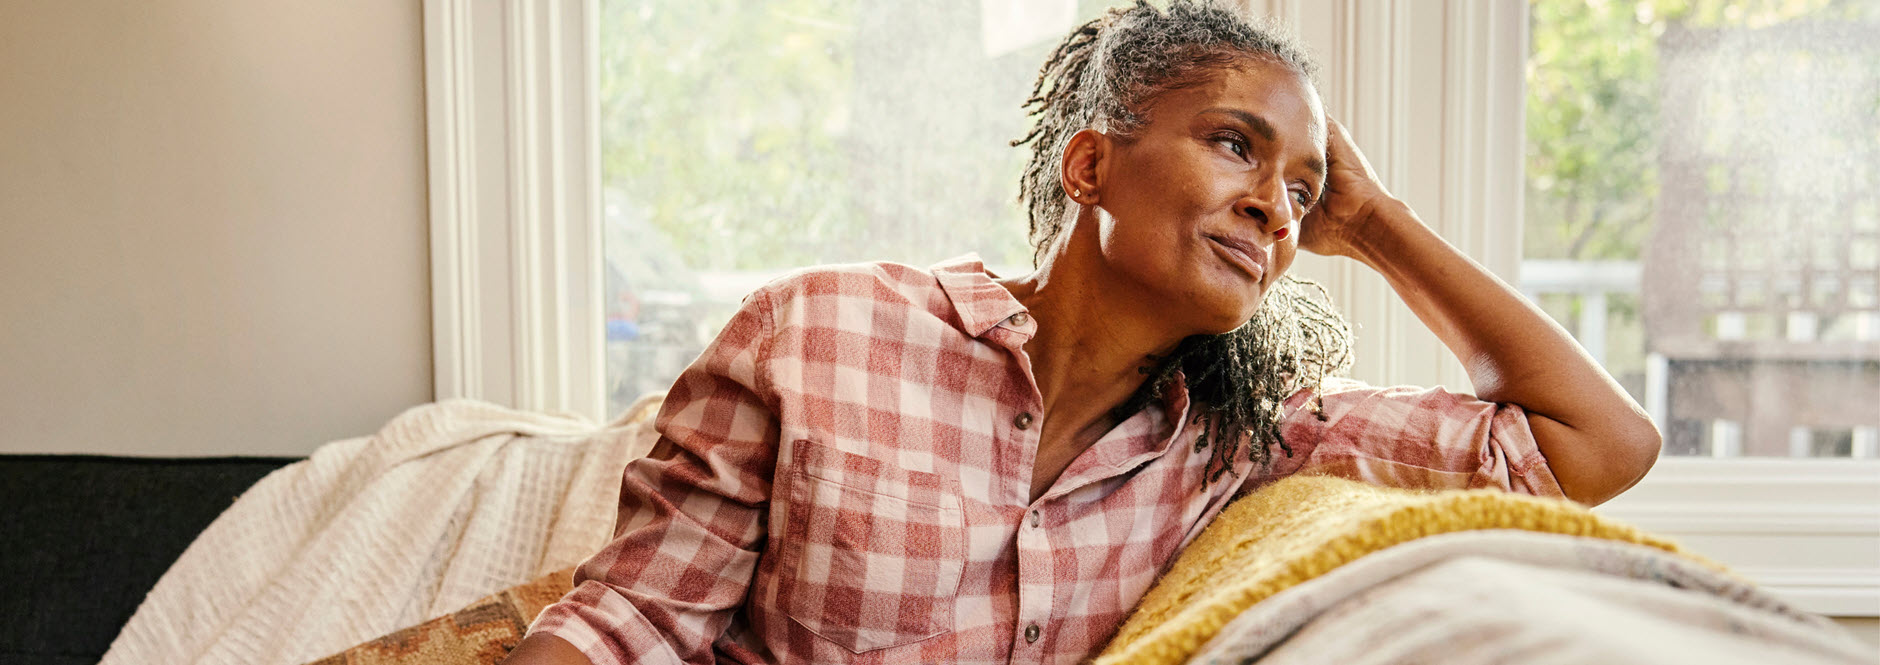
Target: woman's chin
1227	319
1212	306
1233	302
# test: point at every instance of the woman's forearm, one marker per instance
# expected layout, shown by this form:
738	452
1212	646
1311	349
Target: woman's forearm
1595	437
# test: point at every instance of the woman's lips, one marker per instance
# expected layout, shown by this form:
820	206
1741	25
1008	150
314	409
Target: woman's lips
1249	257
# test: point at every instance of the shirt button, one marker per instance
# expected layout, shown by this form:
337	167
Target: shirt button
1031	633
1034	519
1023	421
1020	319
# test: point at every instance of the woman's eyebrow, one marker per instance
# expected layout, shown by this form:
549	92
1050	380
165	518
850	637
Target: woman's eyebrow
1256	123
1317	166
1265	129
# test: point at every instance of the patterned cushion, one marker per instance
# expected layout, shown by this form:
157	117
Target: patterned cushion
484	632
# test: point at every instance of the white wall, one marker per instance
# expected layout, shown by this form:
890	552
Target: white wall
212	224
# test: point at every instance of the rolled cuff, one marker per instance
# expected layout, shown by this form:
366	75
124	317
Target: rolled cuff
604	627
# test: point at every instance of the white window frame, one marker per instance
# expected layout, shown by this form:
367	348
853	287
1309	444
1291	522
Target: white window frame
514	147
516	268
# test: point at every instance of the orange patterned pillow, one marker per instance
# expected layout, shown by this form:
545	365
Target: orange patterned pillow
484	632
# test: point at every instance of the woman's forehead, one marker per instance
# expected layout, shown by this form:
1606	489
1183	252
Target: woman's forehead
1280	97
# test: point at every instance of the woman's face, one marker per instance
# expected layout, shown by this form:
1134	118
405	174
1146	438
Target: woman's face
1202	205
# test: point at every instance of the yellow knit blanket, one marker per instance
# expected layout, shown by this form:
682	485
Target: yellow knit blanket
1305	526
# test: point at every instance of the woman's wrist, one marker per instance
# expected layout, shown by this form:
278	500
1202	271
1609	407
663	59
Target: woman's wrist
1379	234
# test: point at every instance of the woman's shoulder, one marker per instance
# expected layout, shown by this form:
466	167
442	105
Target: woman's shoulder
879	295
874	280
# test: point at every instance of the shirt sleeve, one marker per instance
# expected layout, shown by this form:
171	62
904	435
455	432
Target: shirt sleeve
1413	438
691	518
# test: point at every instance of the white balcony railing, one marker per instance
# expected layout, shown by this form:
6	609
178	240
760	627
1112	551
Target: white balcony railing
1591	282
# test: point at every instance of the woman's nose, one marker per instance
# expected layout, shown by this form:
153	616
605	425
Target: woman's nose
1266	206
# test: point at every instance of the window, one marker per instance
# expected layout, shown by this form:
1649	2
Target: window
1701	212
739	141
515	105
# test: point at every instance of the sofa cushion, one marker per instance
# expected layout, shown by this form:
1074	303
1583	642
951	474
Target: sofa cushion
87	536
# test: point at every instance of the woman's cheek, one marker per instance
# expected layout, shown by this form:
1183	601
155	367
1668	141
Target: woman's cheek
1283	253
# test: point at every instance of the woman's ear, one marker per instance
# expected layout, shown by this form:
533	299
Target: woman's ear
1085	155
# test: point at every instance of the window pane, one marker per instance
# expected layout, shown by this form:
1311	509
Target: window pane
1701	211
744	139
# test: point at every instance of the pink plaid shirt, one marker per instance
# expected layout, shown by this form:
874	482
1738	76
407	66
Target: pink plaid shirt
851	475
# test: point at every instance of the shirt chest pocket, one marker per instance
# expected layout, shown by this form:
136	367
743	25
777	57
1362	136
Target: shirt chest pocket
873	553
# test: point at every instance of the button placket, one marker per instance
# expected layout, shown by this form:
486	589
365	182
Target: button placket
1035	572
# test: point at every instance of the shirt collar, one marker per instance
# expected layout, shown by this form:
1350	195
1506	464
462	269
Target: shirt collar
980	302
982	305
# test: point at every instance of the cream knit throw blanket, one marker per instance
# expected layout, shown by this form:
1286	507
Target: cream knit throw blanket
449	502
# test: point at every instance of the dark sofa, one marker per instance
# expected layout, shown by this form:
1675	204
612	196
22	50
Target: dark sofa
85	537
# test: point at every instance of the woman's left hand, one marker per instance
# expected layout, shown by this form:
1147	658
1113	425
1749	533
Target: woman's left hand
1351	198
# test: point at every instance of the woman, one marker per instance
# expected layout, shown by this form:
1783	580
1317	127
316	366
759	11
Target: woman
885	464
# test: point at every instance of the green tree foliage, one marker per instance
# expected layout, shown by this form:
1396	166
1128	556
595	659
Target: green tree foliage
761	136
721	121
1591	111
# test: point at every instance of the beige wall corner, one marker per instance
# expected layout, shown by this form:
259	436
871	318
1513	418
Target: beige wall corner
212	224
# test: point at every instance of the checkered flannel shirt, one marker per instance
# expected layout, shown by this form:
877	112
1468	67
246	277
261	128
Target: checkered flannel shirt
849	473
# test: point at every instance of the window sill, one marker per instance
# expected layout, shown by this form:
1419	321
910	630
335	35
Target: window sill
1807	530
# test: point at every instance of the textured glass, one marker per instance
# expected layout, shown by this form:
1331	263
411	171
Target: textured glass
744	139
1701	187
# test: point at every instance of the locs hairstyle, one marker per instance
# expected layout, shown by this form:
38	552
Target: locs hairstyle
1106	75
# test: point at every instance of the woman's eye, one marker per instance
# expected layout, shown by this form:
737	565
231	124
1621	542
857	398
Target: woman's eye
1233	145
1305	200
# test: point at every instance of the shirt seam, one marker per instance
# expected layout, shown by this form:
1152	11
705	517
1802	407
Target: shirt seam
761	364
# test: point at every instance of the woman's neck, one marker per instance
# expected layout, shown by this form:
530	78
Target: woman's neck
1095	333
